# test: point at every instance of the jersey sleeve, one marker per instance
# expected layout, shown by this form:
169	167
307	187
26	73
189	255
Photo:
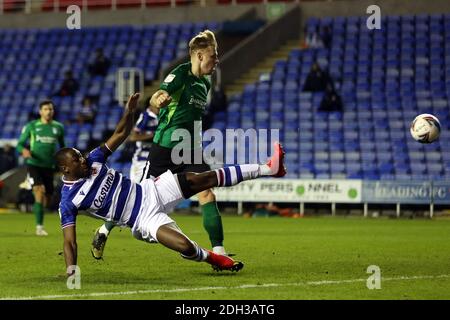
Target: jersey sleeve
25	134
174	81
153	119
67	213
99	154
141	123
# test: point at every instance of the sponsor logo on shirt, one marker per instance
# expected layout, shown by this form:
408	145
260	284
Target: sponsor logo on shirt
45	139
104	190
201	104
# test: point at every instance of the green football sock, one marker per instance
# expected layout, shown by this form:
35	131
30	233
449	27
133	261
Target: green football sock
109	225
212	222
38	210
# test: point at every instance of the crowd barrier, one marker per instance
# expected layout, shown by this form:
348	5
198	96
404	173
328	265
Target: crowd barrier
338	191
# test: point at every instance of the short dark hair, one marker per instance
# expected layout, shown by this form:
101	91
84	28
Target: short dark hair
44	102
61	156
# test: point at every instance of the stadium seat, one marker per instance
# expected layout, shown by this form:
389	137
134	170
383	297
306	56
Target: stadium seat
28	54
385	80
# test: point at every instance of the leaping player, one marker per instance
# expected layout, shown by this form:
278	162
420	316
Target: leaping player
89	185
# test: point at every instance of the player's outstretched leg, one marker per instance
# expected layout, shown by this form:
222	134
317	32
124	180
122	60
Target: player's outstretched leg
193	183
174	239
212	221
99	240
211	217
38	209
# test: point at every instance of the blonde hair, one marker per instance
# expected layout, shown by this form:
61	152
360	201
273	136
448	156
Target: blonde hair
202	40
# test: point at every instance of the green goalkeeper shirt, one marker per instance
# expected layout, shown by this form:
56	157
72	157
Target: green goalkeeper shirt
189	94
43	139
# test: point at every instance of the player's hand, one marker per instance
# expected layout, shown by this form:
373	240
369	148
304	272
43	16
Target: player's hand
132	102
26	153
162	99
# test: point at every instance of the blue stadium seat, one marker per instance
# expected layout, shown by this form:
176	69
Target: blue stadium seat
383	86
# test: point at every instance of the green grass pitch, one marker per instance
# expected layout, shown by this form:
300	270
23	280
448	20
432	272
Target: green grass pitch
308	258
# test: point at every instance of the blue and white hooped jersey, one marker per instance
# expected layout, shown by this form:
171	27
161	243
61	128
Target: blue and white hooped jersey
106	194
147	123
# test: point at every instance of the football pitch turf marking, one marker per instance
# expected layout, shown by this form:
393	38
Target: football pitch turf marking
245	286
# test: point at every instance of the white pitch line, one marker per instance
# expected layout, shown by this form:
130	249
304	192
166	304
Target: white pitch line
245	286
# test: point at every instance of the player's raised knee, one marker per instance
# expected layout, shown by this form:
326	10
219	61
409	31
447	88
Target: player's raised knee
206	196
39	190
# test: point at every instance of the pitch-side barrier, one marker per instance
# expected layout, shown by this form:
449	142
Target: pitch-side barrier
338	191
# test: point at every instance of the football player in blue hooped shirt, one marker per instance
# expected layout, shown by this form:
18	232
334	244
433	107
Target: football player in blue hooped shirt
142	135
89	185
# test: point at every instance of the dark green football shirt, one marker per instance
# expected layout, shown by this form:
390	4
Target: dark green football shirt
189	94
43	138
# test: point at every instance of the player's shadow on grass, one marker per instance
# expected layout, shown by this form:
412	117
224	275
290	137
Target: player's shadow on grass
220	274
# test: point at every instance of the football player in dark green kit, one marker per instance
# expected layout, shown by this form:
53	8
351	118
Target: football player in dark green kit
44	134
182	100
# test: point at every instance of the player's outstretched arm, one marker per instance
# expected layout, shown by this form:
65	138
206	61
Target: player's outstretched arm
70	246
24	136
125	124
160	99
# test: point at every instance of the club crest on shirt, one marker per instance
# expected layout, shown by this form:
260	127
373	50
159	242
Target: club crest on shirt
169	78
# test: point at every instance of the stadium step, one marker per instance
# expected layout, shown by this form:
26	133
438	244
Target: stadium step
263	67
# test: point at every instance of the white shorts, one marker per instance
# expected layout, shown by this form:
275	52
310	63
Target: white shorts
160	196
137	170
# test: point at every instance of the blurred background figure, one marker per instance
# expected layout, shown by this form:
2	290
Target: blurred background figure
331	100
37	144
326	37
87	111
100	65
142	135
317	79
272	210
25	198
69	85
8	159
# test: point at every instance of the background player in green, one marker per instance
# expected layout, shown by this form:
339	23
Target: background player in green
182	99
43	135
